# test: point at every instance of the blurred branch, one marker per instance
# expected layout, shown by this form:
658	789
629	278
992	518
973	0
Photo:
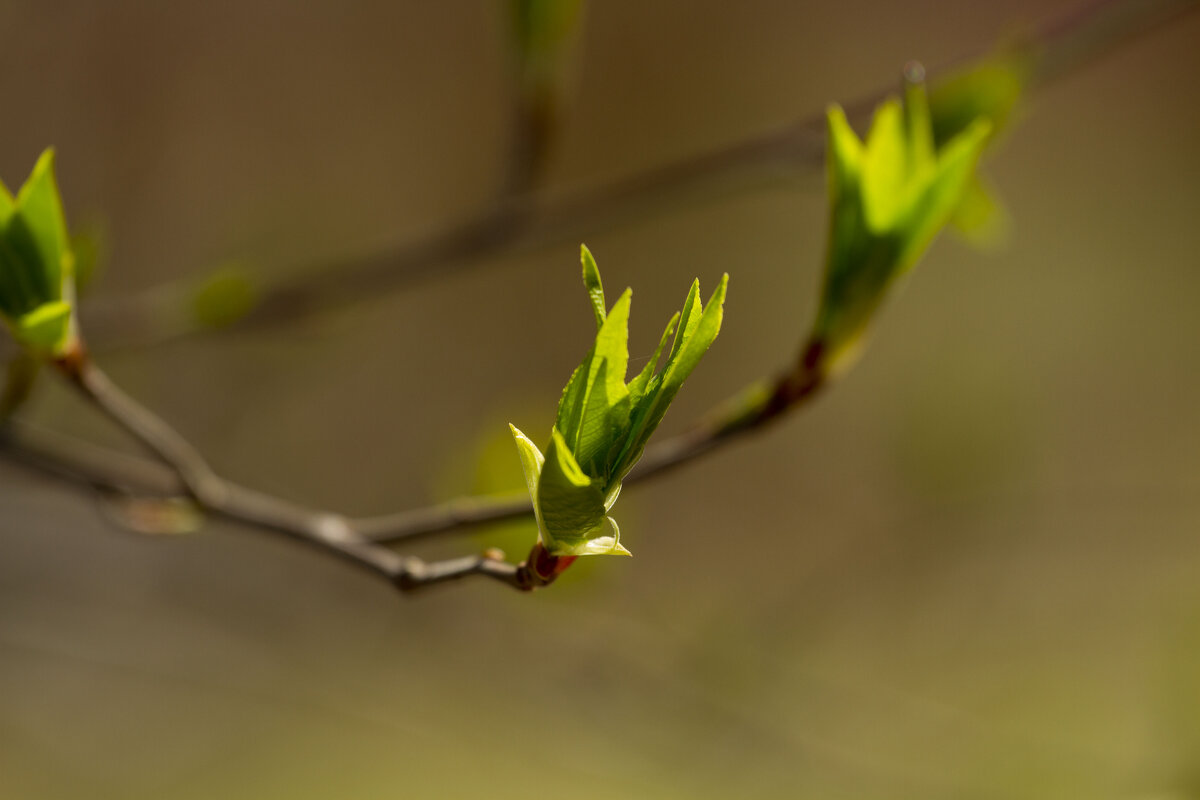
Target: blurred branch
522	219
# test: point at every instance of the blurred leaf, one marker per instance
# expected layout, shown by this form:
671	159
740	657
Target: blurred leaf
89	243
980	217
46	328
989	89
542	28
544	33
888	199
39	214
154	516
224	297
36	263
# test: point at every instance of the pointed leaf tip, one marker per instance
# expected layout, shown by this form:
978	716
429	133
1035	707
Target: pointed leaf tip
593	284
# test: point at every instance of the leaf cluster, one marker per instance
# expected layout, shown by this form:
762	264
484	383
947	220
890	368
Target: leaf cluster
604	422
889	196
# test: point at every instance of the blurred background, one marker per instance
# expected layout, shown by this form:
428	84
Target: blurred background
972	569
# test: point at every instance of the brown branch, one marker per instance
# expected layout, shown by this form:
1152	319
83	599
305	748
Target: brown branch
330	533
360	539
751	411
528	219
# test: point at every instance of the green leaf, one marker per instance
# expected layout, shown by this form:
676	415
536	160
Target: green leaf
689	318
980	216
542	27
885	168
932	209
39	211
637	387
531	464
591	282
46	328
603	423
599	545
612	345
571	503
597	428
988	89
7	204
590	435
698	340
570	405
20	291
36	263
704	324
888	199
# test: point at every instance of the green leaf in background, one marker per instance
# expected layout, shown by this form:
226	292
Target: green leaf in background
888	198
224	297
603	423
543	30
990	89
89	244
543	35
37	288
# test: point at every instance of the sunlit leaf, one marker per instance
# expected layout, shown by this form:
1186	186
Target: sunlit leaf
36	263
603	423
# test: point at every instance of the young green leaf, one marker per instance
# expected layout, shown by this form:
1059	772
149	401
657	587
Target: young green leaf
888	199
990	89
36	263
603	422
593	284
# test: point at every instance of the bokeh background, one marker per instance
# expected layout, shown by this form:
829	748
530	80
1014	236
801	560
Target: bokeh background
970	570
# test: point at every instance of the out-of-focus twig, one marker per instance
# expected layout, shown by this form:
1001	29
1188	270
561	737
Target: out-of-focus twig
518	219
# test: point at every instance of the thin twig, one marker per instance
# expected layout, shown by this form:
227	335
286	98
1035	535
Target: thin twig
358	539
330	533
526	220
750	411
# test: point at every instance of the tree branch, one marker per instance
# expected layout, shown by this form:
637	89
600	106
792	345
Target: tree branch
328	532
528	219
358	540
